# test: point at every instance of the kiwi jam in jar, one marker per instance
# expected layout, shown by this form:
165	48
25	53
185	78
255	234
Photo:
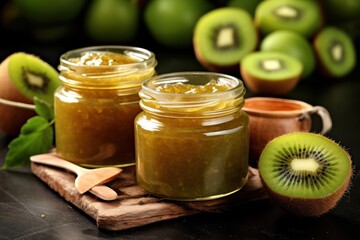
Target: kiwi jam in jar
97	103
192	138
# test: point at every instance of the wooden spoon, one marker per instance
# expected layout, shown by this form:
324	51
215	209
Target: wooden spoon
104	192
86	178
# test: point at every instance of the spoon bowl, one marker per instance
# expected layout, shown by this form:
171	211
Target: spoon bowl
86	180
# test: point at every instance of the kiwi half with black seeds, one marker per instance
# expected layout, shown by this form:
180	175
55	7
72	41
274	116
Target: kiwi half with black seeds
305	173
303	17
23	76
222	37
335	52
293	44
273	73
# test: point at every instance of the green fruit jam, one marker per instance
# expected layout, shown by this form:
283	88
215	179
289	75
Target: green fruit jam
192	137
96	106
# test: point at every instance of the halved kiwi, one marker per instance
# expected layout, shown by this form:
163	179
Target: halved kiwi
335	52
306	173
273	73
293	44
22	77
303	17
222	37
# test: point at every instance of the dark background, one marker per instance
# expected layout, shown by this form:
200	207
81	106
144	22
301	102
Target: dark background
24	198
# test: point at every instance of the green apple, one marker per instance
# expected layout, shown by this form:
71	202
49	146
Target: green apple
49	11
112	20
51	33
172	22
293	44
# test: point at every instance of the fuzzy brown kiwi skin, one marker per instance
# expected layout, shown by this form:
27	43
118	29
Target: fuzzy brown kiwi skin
12	118
258	85
308	207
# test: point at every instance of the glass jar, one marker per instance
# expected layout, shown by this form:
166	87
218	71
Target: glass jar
97	103
192	144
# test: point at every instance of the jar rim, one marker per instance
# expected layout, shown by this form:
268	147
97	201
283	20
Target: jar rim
185	77
130	75
199	102
146	57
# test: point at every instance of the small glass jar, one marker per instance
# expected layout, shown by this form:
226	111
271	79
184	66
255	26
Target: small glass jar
97	103
192	145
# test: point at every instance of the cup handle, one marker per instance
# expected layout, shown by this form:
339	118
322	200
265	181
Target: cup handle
325	117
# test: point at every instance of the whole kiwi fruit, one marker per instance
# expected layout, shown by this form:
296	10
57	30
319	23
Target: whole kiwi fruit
305	173
23	76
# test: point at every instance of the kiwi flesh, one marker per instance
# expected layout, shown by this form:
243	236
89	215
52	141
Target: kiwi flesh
22	77
305	173
222	37
273	73
303	17
335	52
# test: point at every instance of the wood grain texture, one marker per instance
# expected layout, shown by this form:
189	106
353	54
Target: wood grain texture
135	207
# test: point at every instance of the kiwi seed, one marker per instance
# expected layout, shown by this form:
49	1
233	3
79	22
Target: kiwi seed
306	173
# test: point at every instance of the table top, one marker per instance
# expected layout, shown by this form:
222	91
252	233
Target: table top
29	209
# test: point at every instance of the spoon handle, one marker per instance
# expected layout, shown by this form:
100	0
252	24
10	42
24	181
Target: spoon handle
101	191
53	160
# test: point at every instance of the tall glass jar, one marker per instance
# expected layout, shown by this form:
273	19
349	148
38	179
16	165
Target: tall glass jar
97	103
192	138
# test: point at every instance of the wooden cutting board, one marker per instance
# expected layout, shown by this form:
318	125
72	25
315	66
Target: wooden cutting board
135	207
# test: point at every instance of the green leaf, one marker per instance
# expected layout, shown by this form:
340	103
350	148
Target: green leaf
36	136
44	109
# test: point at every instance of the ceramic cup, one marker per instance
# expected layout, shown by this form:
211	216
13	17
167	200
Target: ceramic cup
272	117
